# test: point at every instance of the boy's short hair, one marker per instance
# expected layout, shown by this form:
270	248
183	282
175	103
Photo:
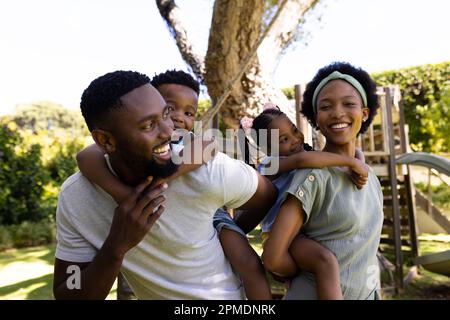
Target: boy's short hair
176	77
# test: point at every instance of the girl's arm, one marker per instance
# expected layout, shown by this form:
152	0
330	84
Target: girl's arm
276	256
322	159
92	164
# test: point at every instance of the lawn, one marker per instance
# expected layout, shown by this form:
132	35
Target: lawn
27	274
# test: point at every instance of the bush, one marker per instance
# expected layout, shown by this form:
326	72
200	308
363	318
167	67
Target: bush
426	101
27	234
22	179
5	238
440	194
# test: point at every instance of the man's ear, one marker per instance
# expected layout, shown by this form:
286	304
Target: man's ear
104	139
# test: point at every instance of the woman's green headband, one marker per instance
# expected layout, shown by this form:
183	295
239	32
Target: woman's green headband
335	76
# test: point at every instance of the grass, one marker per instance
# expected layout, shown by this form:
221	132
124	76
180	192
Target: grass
426	285
27	274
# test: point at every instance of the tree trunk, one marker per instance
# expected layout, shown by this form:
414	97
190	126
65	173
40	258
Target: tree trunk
235	29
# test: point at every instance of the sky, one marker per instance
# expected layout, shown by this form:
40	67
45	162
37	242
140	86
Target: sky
50	50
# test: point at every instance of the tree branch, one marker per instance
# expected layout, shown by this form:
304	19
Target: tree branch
174	19
284	31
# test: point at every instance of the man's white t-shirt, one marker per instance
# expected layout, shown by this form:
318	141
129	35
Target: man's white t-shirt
181	256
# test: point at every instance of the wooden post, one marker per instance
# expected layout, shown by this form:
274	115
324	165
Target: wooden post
412	216
394	195
302	123
298	104
430	194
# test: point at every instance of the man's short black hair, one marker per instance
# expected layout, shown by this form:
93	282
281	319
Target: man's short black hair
363	78
176	77
103	95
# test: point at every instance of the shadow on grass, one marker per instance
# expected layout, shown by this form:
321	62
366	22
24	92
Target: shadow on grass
40	288
31	254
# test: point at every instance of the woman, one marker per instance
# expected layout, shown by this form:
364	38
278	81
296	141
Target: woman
323	203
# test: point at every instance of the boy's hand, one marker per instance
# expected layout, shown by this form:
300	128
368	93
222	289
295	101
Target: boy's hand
359	173
209	149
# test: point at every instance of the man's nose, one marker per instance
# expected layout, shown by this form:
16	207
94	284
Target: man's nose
166	128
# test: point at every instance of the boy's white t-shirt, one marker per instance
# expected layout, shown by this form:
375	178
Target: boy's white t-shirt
181	256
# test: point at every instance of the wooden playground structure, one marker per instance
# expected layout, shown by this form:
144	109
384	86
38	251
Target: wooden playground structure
386	149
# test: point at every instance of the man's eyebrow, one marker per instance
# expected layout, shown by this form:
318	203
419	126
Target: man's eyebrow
154	116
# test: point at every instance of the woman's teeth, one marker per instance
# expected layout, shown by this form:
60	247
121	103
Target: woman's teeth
339	125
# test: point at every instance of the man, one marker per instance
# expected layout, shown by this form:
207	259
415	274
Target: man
170	255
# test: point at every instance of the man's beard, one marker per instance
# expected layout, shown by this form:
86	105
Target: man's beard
158	170
144	167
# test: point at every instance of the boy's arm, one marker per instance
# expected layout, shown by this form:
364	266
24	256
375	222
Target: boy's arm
209	149
92	164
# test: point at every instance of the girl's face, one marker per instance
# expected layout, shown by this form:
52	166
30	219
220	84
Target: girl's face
340	112
290	138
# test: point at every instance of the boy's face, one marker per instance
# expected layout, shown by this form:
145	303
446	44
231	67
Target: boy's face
182	102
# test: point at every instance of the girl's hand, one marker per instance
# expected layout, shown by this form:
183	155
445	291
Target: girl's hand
359	173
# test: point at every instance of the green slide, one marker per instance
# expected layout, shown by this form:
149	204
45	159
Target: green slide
436	262
424	159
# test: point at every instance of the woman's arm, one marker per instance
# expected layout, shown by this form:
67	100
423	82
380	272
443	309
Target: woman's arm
276	256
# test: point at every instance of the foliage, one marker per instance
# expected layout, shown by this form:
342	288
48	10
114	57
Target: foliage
28	234
440	194
204	105
5	238
289	93
48	116
426	100
21	179
33	164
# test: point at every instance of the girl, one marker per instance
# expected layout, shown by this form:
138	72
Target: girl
341	102
308	254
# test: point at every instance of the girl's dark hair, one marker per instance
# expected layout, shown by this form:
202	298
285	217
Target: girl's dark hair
262	121
363	78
